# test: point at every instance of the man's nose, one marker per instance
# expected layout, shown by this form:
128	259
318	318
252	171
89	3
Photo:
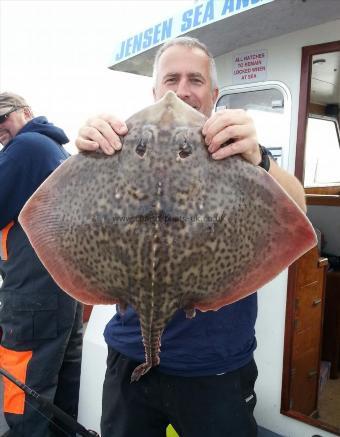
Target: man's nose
183	89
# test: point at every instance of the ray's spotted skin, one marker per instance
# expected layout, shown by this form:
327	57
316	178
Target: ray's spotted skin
161	225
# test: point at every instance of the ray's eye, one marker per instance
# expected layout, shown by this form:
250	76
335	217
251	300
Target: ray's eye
146	138
141	147
185	149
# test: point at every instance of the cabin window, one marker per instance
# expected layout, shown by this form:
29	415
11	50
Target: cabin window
322	152
269	107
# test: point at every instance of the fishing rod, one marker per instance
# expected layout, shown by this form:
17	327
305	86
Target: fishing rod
48	406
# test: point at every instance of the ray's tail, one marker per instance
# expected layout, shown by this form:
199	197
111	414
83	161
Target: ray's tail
152	342
153	321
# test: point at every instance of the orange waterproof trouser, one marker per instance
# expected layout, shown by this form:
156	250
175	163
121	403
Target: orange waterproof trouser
15	363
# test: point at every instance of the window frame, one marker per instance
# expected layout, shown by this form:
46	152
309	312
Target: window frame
287	157
337	131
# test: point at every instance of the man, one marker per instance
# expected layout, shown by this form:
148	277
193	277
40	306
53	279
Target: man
204	385
41	325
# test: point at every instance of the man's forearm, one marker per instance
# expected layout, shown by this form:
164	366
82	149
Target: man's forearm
290	183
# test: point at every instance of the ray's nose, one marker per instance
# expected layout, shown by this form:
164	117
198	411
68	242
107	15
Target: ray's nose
159	172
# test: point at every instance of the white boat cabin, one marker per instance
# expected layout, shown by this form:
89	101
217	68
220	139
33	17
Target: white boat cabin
280	60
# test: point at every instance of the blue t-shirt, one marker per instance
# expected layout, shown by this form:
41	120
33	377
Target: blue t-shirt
212	342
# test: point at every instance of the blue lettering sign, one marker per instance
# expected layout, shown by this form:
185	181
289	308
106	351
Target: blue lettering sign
166	29
137	42
197	15
242	3
228	6
209	11
200	15
147	38
156	33
186	20
120	54
128	47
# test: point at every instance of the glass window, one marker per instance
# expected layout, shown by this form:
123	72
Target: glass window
270	108
322	152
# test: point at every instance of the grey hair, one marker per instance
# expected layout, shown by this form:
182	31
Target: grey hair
186	41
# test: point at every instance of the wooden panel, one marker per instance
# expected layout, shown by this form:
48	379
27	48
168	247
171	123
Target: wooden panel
331	329
291	383
306	310
315	108
305	336
308	305
304	383
323	190
308	271
323	199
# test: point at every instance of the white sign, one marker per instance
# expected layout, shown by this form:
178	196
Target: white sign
250	67
200	15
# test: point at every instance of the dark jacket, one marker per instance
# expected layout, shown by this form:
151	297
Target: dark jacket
25	162
29	298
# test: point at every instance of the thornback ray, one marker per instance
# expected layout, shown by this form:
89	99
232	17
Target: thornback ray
161	226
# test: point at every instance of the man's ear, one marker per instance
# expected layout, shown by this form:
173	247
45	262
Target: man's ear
28	113
215	94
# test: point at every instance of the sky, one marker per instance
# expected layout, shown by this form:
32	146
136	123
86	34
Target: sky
56	55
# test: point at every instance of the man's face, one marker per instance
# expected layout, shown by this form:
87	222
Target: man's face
186	71
11	126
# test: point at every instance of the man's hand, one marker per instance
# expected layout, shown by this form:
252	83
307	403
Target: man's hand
235	125
101	132
238	126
